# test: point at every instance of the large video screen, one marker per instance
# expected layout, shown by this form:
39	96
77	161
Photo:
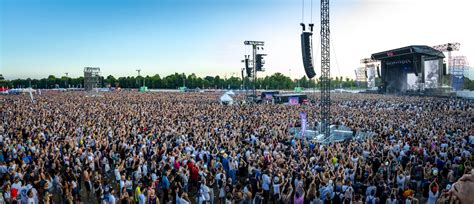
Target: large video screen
412	80
371	76
431	73
293	100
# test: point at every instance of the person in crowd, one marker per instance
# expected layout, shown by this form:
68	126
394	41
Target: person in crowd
128	147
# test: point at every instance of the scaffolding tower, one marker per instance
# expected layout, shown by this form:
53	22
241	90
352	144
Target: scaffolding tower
325	70
91	78
255	67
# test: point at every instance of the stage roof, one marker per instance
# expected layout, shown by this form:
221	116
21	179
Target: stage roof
409	50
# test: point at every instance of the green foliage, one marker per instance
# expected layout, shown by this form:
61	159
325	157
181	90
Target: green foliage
176	80
468	84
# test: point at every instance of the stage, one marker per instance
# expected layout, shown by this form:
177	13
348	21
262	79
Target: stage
411	68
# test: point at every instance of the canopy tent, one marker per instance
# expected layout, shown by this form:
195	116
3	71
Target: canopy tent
229	93
226	99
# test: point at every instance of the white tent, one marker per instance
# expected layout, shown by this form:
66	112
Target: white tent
465	94
226	99
230	93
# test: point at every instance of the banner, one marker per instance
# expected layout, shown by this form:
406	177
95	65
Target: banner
303	123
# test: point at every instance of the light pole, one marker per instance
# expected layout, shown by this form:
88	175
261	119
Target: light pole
184	80
65	82
138	82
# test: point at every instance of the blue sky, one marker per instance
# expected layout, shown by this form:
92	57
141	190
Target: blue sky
42	37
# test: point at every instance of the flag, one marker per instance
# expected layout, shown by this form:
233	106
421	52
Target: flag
303	123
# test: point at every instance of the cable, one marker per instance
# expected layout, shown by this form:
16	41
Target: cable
302	12
335	56
317	49
315	57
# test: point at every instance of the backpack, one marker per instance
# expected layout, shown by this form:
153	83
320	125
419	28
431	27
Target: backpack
337	198
371	200
347	193
258	199
105	199
418	172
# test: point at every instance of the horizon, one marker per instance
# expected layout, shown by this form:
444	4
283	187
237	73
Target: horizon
51	37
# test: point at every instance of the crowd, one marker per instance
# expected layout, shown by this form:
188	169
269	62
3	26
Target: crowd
129	147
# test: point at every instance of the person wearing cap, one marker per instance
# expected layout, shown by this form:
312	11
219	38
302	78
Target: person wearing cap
276	188
58	131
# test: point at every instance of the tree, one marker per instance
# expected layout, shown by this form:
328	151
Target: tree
217	82
111	81
209	80
233	83
155	82
468	84
191	81
51	81
173	81
303	82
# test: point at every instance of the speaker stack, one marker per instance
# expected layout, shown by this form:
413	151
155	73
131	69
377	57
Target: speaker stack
306	51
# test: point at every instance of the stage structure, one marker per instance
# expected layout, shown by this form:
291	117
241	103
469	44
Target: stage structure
257	62
448	47
325	70
371	67
399	66
91	78
307	54
361	77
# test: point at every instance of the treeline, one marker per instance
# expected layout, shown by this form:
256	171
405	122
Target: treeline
176	80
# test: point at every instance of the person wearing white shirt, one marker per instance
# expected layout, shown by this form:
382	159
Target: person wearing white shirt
392	199
205	193
276	188
129	185
117	173
401	181
111	199
266	185
141	198
122	183
17	184
433	193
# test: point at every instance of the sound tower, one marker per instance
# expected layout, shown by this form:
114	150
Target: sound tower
247	68
307	54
